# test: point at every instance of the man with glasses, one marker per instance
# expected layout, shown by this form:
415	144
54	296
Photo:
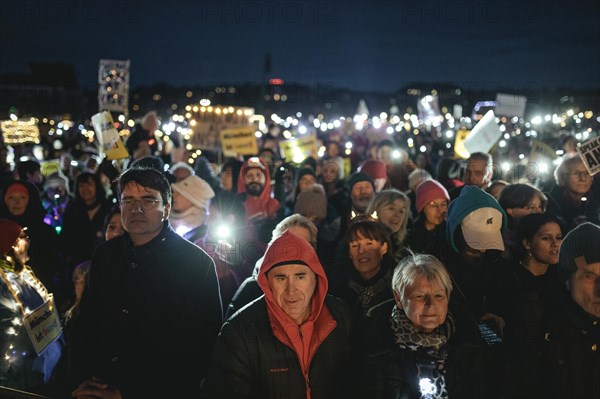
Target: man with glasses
152	303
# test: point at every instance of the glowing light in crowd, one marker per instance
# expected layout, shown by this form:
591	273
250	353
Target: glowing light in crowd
505	166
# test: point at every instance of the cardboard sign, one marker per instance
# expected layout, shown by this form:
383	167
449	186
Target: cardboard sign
429	110
108	136
484	135
590	154
296	150
240	141
541	151
510	105
43	325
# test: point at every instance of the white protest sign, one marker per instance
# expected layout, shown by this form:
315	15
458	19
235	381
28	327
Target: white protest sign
510	105
484	135
43	325
590	154
113	85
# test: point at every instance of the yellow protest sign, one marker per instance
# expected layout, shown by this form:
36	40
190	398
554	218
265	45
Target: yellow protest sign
459	144
541	151
49	167
108	136
297	149
239	141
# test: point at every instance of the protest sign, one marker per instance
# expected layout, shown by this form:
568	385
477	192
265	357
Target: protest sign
108	136
541	151
240	141
113	86
590	154
297	149
510	105
20	131
484	135
459	144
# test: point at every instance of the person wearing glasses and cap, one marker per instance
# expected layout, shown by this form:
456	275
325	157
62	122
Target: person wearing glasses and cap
153	300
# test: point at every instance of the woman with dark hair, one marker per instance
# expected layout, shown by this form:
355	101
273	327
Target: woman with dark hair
518	200
83	220
539	237
364	274
113	226
229	175
21	203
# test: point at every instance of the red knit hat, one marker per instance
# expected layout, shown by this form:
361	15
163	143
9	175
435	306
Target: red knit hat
373	168
11	231
428	191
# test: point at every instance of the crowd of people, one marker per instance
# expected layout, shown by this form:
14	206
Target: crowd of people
270	279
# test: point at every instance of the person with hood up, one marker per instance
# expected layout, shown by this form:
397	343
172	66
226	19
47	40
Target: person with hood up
254	188
293	342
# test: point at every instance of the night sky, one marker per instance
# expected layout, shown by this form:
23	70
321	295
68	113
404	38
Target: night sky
377	45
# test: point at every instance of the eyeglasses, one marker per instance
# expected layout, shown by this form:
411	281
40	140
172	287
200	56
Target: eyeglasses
144	203
580	174
442	206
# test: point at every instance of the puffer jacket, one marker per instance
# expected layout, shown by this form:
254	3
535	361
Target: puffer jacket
262	353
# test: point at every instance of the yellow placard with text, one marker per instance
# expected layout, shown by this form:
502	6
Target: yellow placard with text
541	151
240	141
297	149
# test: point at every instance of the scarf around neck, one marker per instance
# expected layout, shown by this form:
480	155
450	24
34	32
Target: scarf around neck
430	352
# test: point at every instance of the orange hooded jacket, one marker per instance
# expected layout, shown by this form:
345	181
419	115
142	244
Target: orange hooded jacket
306	338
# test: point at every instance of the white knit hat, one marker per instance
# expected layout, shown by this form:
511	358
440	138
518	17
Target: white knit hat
196	190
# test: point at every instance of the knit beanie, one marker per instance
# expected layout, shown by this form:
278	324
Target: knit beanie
312	202
360	176
583	240
481	217
306	171
11	231
417	177
196	190
428	191
373	168
56	180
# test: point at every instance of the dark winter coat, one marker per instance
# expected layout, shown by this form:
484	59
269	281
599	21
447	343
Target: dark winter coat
250	362
574	212
392	371
80	235
149	312
555	355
